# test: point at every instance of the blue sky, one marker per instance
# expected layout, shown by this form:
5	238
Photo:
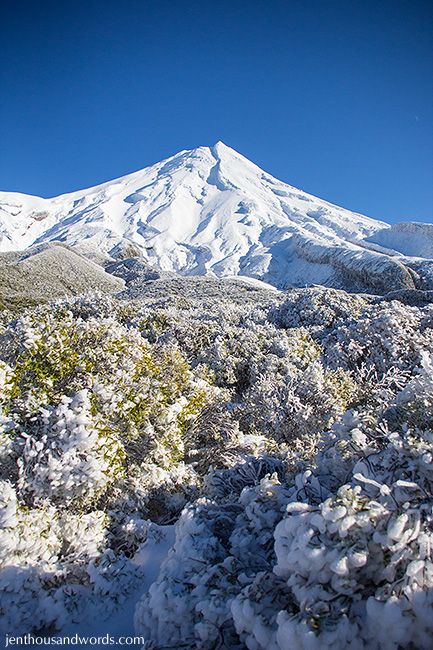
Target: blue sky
333	97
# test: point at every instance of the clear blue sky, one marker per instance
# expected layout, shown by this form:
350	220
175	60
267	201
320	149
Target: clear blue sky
333	97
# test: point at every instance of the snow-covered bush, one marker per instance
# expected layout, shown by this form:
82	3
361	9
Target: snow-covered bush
288	435
384	335
336	555
68	459
216	542
92	417
316	308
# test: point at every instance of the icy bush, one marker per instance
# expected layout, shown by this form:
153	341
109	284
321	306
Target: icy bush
313	308
334	556
289	436
68	460
385	335
92	417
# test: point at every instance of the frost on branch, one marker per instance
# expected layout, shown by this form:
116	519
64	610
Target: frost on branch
290	438
307	566
344	559
92	417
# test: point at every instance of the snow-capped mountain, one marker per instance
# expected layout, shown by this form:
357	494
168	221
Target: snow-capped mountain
212	211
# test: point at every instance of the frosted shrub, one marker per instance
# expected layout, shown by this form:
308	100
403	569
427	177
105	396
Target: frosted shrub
322	308
385	335
69	458
158	492
344	560
25	605
365	552
93	417
29	547
83	535
301	403
288	437
218	547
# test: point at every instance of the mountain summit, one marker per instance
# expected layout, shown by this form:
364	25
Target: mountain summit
212	211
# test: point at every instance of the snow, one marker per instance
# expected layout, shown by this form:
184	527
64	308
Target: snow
204	211
253	282
149	557
413	239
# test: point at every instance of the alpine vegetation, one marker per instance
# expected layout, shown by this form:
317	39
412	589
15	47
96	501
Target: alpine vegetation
287	438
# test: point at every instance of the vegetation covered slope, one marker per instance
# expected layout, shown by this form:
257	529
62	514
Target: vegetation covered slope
288	437
43	273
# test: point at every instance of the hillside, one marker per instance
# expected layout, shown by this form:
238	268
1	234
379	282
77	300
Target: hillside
50	271
198	450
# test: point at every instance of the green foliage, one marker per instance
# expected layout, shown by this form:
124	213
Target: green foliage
306	350
141	396
343	390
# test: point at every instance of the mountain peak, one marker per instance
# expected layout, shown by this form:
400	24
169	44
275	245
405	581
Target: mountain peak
220	148
219	144
210	210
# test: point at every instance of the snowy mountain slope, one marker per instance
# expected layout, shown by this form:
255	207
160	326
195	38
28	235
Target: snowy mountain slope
212	211
413	239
